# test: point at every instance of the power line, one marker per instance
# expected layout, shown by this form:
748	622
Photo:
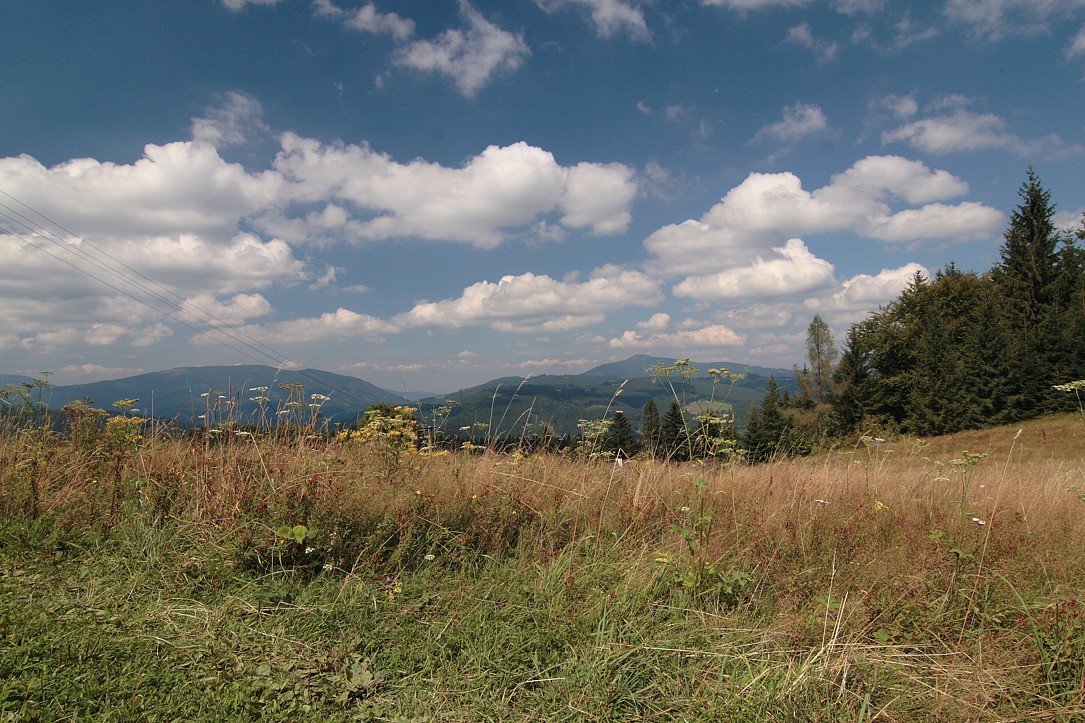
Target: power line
243	343
182	307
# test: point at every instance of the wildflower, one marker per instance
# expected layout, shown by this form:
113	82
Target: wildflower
879	505
309	551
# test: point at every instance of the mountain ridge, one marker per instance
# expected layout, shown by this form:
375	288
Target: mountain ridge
503	405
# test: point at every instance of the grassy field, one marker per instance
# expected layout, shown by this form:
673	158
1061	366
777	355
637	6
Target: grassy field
248	578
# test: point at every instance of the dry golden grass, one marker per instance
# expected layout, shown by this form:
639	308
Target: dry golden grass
953	564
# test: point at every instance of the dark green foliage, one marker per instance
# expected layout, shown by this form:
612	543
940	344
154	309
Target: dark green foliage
650	429
765	427
1027	279
821	352
850	383
619	439
962	351
673	435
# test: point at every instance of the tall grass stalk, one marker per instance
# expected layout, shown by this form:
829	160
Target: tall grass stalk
309	576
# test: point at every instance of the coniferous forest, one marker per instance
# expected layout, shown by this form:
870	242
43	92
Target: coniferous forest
965	350
962	350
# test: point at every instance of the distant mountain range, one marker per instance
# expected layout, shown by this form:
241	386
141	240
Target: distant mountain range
509	406
516	405
188	394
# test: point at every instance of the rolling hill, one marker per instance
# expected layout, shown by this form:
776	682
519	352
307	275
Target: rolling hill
504	407
514	406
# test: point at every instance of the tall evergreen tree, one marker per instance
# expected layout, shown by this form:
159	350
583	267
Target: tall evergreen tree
650	429
947	392
619	439
821	351
765	426
673	435
850	384
1069	312
1027	277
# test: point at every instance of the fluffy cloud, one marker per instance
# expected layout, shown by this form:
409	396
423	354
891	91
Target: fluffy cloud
232	123
609	16
174	188
533	303
469	57
996	19
237	5
855	7
754	4
598	196
1077	45
339	324
799	120
794	271
502	188
367	19
207	308
962	131
856	297
755	216
823	50
707	337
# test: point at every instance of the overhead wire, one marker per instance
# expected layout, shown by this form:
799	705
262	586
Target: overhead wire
217	328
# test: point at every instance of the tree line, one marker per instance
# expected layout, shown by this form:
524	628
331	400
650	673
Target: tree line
961	350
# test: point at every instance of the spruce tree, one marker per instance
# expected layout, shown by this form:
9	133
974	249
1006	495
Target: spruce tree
765	426
650	430
821	351
1027	277
850	384
673	436
619	439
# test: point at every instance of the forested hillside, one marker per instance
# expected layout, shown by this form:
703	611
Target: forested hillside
966	350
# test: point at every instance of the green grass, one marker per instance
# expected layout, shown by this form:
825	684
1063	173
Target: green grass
505	588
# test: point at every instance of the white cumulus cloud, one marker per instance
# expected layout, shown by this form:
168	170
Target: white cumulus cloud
800	120
232	123
532	302
704	338
367	19
997	19
963	130
823	50
767	208
754	4
794	271
237	5
470	57
502	188
609	16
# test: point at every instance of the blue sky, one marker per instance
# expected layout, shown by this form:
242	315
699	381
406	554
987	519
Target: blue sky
428	194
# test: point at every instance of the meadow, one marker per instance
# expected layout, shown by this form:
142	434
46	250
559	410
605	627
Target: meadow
247	575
